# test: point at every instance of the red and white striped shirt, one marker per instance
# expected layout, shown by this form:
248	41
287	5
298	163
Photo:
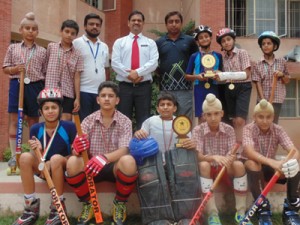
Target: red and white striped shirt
266	143
34	59
209	143
237	62
105	140
263	73
61	69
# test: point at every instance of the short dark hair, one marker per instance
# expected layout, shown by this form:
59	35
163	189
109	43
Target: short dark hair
109	84
166	95
92	16
70	24
173	13
136	12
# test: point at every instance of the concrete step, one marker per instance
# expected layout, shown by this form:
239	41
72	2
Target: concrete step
11	196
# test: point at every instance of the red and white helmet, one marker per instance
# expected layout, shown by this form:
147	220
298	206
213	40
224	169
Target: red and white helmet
49	94
225	32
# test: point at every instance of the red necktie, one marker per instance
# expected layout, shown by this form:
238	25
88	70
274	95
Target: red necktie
135	55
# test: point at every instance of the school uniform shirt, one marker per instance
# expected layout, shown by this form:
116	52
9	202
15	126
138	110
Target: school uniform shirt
95	59
61	68
121	57
237	62
34	59
62	141
208	143
105	140
266	143
263	73
161	131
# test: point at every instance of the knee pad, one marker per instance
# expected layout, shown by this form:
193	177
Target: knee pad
206	184
183	174
240	184
79	185
153	191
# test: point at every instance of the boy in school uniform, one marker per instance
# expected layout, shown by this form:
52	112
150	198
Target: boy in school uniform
107	133
215	140
268	68
260	141
31	57
196	72
65	65
237	92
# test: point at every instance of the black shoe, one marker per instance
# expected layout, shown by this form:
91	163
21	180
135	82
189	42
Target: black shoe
31	213
264	214
290	214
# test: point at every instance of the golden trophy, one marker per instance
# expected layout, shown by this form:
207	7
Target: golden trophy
182	125
208	61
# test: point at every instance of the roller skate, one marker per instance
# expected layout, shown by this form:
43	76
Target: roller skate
12	167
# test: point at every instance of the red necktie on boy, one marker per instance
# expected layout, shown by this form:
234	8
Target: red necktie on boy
135	55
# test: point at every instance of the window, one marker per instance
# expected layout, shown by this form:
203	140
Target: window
290	107
104	5
252	17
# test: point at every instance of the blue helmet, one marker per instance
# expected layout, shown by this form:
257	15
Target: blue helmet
271	35
142	148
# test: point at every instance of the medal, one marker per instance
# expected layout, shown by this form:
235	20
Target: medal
41	166
231	86
207	85
26	80
182	125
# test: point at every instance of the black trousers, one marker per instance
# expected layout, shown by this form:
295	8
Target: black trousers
137	97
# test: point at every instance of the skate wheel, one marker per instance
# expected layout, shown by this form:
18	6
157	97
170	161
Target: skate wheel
8	171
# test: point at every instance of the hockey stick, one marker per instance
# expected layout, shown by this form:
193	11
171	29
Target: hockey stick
209	194
261	198
20	118
55	198
274	84
90	179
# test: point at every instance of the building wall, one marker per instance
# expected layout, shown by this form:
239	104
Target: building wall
5	26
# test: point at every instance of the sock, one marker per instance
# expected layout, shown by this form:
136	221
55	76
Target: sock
12	144
29	198
292	188
211	207
254	181
125	185
240	186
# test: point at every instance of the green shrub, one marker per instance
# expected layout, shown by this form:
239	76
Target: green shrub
7	152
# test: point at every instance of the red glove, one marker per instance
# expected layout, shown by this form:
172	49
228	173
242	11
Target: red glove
81	143
95	165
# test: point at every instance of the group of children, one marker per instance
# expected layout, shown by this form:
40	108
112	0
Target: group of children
107	132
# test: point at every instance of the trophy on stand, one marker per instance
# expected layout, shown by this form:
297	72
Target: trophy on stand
182	125
208	61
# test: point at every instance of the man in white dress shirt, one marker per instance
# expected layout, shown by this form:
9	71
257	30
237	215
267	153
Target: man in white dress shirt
134	65
96	64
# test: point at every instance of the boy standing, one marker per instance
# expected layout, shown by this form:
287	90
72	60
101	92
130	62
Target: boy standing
31	57
260	141
237	92
54	139
64	67
215	140
107	132
156	174
202	85
268	68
